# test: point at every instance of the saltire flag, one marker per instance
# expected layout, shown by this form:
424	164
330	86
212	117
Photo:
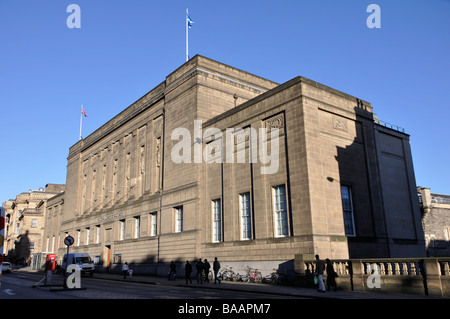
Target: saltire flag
189	20
83	112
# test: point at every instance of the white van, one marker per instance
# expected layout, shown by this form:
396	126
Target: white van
83	260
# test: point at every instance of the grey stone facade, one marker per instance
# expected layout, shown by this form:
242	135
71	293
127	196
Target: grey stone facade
435	210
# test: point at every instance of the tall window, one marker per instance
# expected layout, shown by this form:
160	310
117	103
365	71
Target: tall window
88	234
280	211
217	220
153	223
179	219
347	206
122	229
447	232
78	236
246	217
97	239
137	226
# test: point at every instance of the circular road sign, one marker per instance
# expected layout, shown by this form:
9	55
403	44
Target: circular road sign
69	241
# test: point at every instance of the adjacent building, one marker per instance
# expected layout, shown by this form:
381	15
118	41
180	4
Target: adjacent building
51	235
24	223
435	210
218	162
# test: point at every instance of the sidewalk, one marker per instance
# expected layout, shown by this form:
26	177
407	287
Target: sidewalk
287	291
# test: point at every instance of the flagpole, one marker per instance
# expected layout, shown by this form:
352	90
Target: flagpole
81	120
187	36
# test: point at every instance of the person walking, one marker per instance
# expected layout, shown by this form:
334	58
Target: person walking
188	271
216	267
331	275
125	270
199	268
320	267
173	271
206	267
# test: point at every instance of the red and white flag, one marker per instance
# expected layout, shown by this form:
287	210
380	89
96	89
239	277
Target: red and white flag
81	118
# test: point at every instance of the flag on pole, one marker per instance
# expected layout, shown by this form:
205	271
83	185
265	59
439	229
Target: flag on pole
189	20
81	119
189	24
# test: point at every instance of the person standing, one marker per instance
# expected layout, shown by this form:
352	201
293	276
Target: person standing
125	270
331	275
173	271
206	267
199	268
320	267
216	267
188	270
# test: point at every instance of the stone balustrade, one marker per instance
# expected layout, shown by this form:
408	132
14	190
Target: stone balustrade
424	276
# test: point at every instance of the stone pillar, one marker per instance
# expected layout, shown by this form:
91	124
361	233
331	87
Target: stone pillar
432	277
357	275
301	278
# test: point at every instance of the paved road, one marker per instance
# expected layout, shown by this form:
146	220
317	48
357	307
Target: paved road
19	285
126	298
111	295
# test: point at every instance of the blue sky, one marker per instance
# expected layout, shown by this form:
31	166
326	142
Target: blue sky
125	48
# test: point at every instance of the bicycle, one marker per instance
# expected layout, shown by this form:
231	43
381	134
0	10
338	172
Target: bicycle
277	277
239	277
269	279
228	274
254	276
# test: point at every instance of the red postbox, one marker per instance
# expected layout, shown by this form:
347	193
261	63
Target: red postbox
51	262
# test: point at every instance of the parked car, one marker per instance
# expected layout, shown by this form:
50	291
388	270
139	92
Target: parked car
6	266
83	260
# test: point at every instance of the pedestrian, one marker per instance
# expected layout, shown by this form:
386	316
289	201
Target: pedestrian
199	268
331	275
206	267
125	270
216	267
320	267
172	271
188	271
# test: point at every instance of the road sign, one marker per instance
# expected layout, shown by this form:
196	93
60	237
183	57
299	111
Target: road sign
69	241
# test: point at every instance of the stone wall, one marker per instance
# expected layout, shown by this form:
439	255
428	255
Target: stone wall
419	276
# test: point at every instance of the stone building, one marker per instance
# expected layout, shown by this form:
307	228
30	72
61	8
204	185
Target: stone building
435	210
9	236
25	223
218	162
53	208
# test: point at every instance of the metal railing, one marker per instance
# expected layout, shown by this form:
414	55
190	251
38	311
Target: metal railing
389	125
